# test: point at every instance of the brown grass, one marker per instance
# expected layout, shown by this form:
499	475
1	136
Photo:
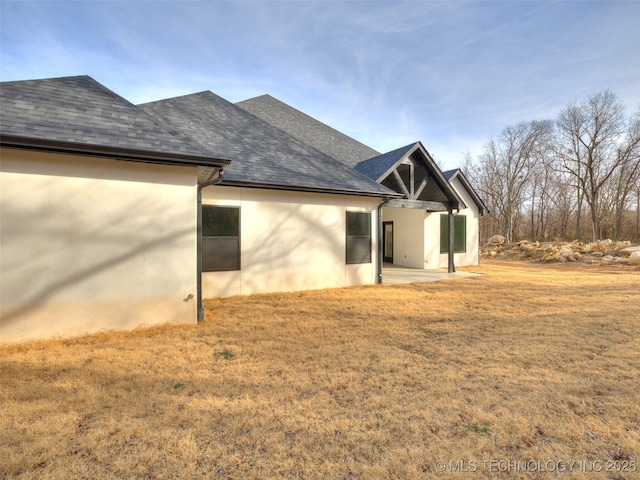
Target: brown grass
527	363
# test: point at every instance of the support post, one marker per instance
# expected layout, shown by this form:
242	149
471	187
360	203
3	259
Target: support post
379	257
451	264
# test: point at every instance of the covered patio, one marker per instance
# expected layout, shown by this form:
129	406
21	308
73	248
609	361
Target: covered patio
395	274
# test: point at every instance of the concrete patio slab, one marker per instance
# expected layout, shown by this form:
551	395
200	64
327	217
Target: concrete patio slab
394	274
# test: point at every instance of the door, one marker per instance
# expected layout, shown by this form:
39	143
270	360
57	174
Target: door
387	243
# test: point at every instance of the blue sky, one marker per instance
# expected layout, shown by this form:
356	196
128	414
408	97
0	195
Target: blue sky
451	74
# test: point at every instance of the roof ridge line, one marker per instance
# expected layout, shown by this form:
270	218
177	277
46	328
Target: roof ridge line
66	77
181	96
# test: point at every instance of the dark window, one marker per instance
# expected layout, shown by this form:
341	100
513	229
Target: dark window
358	237
220	238
459	233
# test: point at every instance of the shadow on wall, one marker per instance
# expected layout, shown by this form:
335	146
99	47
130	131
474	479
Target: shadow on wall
72	244
289	246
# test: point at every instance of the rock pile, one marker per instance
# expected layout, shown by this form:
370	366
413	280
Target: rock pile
602	252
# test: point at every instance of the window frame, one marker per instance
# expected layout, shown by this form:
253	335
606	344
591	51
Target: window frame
230	264
458	247
350	240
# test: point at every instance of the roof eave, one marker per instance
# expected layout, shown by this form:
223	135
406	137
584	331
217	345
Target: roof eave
302	188
118	153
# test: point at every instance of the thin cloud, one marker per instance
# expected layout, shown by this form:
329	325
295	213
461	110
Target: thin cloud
451	74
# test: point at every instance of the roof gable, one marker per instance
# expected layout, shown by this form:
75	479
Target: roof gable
78	113
410	170
457	173
262	154
301	126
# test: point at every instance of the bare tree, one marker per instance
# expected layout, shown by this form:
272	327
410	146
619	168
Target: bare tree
589	136
546	182
638	212
565	202
537	206
506	168
627	177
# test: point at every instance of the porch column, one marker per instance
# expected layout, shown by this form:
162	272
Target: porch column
452	267
380	236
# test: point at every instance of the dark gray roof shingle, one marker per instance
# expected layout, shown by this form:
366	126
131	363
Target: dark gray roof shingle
80	111
261	154
308	130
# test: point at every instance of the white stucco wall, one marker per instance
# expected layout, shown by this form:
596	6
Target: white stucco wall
92	244
290	241
408	236
470	257
432	256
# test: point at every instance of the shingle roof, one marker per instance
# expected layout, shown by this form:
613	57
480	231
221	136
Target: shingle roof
309	130
350	152
375	167
80	112
261	154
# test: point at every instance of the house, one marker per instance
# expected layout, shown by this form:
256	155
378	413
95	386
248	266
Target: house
415	228
115	215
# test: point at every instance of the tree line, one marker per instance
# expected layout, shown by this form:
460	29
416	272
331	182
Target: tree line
575	177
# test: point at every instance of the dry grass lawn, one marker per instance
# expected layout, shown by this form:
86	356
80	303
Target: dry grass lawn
527	363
